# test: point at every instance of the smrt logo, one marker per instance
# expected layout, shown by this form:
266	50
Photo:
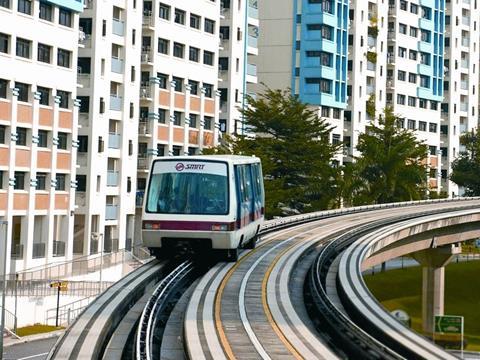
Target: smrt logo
179	167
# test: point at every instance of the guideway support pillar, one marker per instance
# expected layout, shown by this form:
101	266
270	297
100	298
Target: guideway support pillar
433	261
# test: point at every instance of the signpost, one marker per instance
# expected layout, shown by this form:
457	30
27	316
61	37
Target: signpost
450	325
61	286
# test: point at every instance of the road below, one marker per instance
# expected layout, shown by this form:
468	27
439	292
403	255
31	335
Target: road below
33	350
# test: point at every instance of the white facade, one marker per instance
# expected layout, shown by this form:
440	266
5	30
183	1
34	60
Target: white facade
237	60
38	130
109	75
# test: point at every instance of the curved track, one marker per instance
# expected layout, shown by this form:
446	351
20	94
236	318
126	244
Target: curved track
254	308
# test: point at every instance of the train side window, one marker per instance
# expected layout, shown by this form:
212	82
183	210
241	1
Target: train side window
257	186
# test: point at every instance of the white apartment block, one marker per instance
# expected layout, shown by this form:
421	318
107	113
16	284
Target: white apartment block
460	105
179	97
420	57
238	50
38	129
109	80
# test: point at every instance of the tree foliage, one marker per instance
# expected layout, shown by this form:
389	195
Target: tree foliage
466	169
391	166
292	142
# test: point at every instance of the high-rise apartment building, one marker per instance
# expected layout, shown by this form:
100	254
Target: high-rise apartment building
109	77
38	129
179	97
351	59
238	49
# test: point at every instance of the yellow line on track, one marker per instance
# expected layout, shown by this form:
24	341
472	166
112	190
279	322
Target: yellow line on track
266	308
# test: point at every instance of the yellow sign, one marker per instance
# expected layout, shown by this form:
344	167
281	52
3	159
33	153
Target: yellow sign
61	284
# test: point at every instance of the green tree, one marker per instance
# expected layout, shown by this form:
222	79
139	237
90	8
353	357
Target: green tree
466	169
292	142
391	166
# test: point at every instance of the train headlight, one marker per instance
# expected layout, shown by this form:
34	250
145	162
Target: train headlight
220	227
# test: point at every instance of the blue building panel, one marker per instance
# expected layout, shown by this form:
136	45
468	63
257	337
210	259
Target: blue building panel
75	5
329	18
435	47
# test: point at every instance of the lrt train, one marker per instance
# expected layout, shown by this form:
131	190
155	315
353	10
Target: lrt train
206	204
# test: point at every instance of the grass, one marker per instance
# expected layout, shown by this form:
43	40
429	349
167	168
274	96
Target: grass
401	289
36	329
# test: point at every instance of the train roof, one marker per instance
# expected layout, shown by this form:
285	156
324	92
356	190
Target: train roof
228	158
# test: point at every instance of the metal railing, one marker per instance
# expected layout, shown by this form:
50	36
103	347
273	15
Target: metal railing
38	250
68	312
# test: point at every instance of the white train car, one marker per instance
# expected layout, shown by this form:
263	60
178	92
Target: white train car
208	204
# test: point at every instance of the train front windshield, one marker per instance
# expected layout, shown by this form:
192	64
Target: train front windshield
188	187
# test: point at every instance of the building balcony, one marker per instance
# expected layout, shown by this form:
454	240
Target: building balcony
145	93
139	198
464	84
143	162
466	20
465	42
115	102
148	20
111	212
252	10
463	106
114	141
144	128
252	41
371	41
392	11
82	159
464	63
252	69
83	120
371	66
112	178
146	57
80	198
370	89
58	248
38	250
83	80
117	65
17	251
118	27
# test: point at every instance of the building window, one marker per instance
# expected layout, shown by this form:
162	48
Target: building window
193	87
44	95
327	32
325	111
164	11
424	81
42	138
62	141
413	8
208	90
401	75
41	181
84	104
5	3
178	84
400	99
433	105
336	113
63	58
411	124
177	118
325	86
82	143
194	54
60	183
65	17
424	58
163	45
422	103
224	32
25	6
413	31
412	55
194	21
402	52
21	136
19	180
412	101
179	16
162	116
81	183
160	152
432	127
23	48
64	96
209	26
193	120
412	78
2	134
402	28
44	53
207	122
422	126
4	41
23	91
178	50
3	88
46	12
163	79
208	57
